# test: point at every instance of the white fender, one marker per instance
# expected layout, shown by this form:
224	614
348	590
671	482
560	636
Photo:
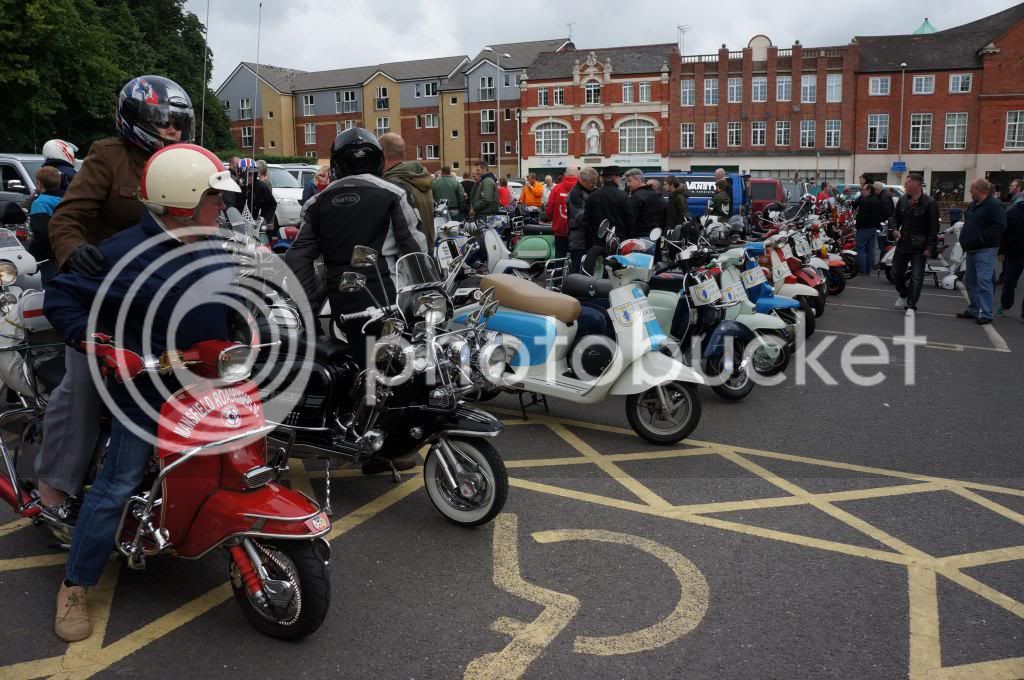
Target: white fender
761	322
502	266
819	263
651	370
794	290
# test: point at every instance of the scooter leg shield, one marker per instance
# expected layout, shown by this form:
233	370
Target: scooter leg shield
651	370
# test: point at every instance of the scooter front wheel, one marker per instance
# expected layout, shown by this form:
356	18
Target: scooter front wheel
481	481
668	422
807	306
836	282
296	592
819	302
852	269
888	274
736	385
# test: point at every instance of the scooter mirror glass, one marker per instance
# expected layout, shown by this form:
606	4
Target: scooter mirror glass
392	328
351	282
656	234
602	229
363	256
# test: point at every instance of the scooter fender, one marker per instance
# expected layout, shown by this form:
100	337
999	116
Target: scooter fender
653	369
761	322
819	264
795	290
714	343
507	266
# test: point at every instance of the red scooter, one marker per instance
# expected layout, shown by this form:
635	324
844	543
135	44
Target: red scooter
213	485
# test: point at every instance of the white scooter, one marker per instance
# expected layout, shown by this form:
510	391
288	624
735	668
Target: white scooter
549	355
944	275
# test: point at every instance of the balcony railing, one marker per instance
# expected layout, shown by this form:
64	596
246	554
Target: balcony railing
785	53
736	54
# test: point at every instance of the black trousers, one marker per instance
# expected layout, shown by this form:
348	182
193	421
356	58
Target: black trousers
915	262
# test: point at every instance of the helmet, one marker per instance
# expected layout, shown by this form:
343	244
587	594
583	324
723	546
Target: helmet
149	103
246	165
177	177
636	245
356	151
718	234
59	150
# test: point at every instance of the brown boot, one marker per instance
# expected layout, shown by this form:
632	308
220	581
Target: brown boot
378	465
72	622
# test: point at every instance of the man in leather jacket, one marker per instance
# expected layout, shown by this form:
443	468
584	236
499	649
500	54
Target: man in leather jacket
646	204
917	219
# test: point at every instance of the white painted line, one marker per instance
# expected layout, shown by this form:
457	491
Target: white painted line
892	292
993	335
949	346
889	309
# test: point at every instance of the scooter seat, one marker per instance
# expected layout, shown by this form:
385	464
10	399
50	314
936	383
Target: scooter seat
539	229
582	286
526	296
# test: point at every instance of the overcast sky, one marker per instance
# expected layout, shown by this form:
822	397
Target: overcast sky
323	34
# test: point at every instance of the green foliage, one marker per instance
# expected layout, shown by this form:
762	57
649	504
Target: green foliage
226	153
64	61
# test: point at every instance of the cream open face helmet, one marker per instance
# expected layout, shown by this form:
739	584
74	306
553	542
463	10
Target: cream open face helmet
177	177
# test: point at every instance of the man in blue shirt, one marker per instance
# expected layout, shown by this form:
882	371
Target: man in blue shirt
982	233
48	180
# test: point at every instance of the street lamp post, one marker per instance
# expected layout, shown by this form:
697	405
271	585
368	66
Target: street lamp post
497	113
903	75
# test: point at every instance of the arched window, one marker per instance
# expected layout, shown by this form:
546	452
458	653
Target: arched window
592	92
552	139
636	136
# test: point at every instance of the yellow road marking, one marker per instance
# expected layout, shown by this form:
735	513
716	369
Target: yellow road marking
1002	669
11	527
978	588
985	557
29	670
925	652
988	504
33	562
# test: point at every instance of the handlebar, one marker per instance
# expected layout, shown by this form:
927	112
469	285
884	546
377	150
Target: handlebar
366	315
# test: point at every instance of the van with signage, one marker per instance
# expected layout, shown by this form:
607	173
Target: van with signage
700	186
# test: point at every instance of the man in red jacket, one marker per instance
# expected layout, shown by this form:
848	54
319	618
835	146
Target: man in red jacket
557	211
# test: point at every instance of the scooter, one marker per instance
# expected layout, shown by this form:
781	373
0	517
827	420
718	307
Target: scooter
540	330
213	485
777	256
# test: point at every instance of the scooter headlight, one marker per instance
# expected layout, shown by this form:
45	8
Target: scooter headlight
492	359
8	272
235	364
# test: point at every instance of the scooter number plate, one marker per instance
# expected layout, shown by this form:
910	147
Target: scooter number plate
627	314
444	253
752	278
780	270
787	252
800	246
705	292
733	293
816	243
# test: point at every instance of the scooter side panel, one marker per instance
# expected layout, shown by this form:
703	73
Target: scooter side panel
535	248
537	335
651	370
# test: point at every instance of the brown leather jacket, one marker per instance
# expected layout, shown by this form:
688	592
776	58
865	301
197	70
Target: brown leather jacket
102	200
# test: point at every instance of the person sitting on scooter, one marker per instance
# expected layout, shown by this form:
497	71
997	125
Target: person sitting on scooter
169	288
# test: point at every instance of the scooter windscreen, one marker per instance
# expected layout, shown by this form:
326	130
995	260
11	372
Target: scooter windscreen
416	270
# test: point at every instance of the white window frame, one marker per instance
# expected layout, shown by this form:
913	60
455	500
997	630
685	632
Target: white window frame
487	91
551	139
921	128
711	135
592	92
419	121
879	86
711	92
342	125
1014	138
508	148
758	132
310	131
784	88
636	136
419	152
808	131
734	133
833	133
627	93
430	120
383	125
455	134
382	102
880	126
783	133
958	126
644	91
759	89
308	105
432	152
430	89
558	96
542	97
734	91
417	93
488	121
507	114
926	82
227	105
244	109
309	154
687	86
833	88
687	131
247	132
960	79
808	88
488	153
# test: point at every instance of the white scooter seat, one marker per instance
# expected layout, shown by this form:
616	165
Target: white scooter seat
526	296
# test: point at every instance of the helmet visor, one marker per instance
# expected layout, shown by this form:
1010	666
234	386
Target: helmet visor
161	118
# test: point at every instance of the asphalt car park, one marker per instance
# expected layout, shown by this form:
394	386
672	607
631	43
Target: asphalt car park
811	530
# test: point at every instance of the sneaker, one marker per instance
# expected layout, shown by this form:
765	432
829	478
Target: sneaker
965	315
999	312
910	313
65	512
72	621
900	302
982	321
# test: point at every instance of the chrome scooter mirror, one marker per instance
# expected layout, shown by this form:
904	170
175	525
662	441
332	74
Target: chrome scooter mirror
363	257
351	282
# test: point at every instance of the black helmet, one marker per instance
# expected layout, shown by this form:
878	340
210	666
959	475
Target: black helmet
148	103
356	151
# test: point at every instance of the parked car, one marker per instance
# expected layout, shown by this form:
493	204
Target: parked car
287	190
17	176
764	191
301	171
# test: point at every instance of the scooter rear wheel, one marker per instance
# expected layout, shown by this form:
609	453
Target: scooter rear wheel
836	282
851	269
807	306
642	411
819	302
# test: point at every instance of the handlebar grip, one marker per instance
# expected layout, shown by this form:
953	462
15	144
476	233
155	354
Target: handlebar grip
355	316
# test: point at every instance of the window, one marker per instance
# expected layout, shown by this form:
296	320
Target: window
418	94
486	88
636	136
487	153
419	121
552	139
432	152
710	92
508	148
645	91
383	125
311	154
430	120
783	88
270	114
1014	130
710	135
227	106
832	133
487	122
783	132
419	153
878	131
542	97
508	114
382	98
879	86
273	144
687	92
511	79
834	87
559	96
759	89
455	134
920	131
923	85
956	131
308	105
310	133
247	136
627	93
959	83
452	101
734	134
686	135
758	130
735	90
342	125
345	102
592	92
244	109
430	90
807	134
808	89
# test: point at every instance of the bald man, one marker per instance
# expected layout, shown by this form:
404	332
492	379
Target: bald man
411	176
982	233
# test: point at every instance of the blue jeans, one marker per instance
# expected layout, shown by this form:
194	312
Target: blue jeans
866	249
1013	267
123	469
981	282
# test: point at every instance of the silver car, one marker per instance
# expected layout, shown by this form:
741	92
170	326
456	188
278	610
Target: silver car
287	192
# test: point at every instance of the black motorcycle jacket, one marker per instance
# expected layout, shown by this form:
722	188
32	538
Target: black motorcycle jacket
356	210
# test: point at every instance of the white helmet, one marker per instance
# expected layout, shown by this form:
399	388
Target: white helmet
59	150
177	177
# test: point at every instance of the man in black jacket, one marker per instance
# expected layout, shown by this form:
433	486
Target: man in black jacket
869	218
981	236
1011	250
580	240
917	222
646	204
610	203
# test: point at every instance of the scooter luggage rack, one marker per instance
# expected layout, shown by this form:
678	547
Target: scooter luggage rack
555	271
